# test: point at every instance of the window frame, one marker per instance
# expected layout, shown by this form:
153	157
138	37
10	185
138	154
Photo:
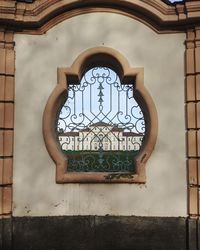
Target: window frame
107	57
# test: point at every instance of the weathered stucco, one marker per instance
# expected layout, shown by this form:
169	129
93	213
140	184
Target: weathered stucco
37	59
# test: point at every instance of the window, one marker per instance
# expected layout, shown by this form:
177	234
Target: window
91	107
105	100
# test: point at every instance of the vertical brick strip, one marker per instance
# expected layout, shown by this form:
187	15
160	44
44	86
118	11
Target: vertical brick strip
193	204
192	100
193	172
7	71
197	51
191	143
191	115
190	88
191	123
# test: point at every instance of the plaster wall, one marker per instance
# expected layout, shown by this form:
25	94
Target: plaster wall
37	59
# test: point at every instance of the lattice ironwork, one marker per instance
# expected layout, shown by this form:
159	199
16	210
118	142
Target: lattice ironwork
101	126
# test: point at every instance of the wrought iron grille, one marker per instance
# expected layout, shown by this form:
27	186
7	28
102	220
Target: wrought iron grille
101	127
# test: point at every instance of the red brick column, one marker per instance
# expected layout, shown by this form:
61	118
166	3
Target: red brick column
192	100
193	118
7	73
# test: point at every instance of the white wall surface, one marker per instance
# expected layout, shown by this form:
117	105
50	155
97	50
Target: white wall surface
37	59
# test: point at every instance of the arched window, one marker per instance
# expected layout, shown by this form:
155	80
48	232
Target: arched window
101	97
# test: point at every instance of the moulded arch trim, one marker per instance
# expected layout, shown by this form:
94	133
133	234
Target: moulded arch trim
156	14
110	58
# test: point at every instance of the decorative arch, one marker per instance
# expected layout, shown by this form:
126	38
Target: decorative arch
90	58
39	17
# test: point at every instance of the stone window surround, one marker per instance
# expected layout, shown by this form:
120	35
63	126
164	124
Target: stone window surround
91	58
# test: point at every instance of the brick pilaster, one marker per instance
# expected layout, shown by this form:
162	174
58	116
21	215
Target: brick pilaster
192	102
7	73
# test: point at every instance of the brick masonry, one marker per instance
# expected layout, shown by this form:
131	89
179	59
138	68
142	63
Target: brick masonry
192	117
192	102
7	72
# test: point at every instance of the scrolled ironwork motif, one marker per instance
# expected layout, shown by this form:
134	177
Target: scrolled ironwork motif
101	127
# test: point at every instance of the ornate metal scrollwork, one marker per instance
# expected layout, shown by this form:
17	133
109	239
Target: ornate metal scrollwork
101	127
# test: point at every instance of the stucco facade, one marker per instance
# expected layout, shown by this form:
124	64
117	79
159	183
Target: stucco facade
136	48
